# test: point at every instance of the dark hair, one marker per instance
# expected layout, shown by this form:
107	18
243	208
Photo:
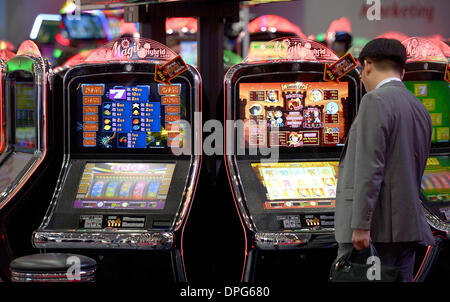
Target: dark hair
385	53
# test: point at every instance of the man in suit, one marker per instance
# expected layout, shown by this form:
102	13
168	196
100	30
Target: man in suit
382	164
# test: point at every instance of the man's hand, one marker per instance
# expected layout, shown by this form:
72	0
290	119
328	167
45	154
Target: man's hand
361	239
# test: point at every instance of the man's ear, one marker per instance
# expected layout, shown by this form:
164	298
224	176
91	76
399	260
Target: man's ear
368	67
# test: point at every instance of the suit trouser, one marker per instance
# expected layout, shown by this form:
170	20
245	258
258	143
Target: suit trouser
400	254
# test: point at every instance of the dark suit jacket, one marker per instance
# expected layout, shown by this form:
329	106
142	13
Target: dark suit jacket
381	168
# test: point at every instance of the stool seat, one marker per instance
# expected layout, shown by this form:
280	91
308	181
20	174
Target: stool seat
51	267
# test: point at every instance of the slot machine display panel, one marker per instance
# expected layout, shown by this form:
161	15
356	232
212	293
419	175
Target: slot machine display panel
435	187
426	81
431	89
120	130
2	105
313	118
22	128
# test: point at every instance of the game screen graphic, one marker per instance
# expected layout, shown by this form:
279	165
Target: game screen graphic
297	185
47	32
307	114
436	179
188	51
435	96
114	116
84	26
124	186
25	111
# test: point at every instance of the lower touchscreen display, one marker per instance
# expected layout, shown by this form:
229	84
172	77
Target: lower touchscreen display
291	185
436	179
126	186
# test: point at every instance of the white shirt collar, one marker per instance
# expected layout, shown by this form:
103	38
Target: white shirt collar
387	80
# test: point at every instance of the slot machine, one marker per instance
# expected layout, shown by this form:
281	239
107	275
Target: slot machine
424	77
124	191
264	29
5	55
27	165
286	203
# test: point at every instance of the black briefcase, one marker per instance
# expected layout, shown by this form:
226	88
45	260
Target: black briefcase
356	266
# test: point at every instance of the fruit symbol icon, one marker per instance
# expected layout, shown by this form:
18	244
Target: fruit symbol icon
304	192
311	172
331	193
325	172
107	109
273	183
152	189
269	183
123	140
111	189
97	189
275	194
269	172
286	183
138	192
289	193
136	124
301	182
284	173
107	124
125	189
318	192
328	182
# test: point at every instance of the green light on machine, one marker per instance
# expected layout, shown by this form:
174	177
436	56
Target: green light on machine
57	53
19	63
320	37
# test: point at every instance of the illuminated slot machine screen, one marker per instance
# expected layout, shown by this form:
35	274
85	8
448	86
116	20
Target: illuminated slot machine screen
114	25
436	185
188	51
84	27
306	114
25	116
131	186
127	117
297	185
435	96
47	32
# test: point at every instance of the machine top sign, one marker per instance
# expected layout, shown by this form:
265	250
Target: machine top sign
131	49
420	49
290	48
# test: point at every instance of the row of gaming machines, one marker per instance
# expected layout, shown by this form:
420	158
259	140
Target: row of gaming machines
92	162
289	204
